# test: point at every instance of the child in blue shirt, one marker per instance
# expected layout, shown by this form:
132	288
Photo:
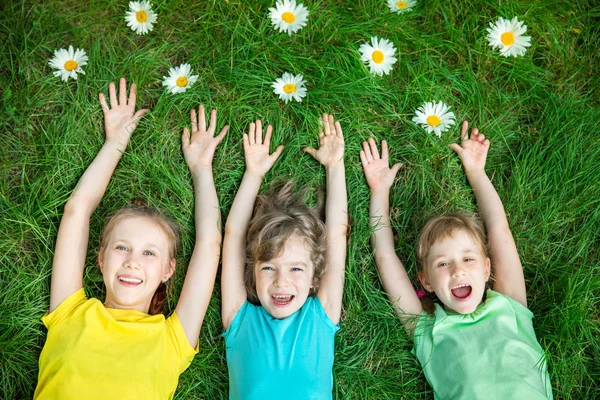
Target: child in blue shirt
479	343
283	277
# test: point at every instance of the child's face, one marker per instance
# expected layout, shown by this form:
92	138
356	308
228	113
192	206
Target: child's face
135	261
283	283
457	272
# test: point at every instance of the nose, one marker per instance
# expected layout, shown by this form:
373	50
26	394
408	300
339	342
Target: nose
132	262
458	270
281	280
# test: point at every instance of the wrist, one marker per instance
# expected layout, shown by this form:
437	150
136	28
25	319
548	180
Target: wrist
475	173
119	143
335	165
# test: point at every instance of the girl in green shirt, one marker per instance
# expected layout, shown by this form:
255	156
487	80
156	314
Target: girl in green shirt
478	343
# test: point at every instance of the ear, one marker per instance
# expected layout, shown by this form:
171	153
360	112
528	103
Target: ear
425	282
170	270
488	268
101	259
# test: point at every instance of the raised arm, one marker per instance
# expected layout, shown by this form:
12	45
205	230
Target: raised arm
120	120
258	163
198	150
508	272
331	155
396	282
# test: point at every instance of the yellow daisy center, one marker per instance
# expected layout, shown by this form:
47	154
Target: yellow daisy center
141	16
401	5
182	81
507	38
289	88
70	65
377	57
288	17
433	120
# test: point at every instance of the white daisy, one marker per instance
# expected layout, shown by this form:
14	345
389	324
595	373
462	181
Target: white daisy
68	63
401	6
290	87
287	16
508	37
379	55
179	79
140	17
435	118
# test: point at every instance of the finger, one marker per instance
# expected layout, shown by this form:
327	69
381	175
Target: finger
396	167
331	125
384	150
213	122
486	143
112	93
140	113
464	130
363	159
326	125
201	118
268	135
246	141
276	153
474	133
338	129
258	132
122	92
132	95
222	134
321	132
374	149
310	151
456	148
194	119
367	151
103	102
185	138
251	133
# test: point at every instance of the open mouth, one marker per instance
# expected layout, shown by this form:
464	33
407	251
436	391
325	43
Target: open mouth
129	281
462	292
282	300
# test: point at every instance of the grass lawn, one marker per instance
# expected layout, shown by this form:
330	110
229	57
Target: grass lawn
540	111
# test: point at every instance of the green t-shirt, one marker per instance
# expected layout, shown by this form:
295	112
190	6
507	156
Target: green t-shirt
489	354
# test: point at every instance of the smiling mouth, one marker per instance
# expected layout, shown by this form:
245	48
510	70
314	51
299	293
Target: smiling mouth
462	292
282	300
129	281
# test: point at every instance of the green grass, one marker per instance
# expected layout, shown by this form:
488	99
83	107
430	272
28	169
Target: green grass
540	111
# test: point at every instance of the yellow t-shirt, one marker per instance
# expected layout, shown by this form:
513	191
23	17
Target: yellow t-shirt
94	352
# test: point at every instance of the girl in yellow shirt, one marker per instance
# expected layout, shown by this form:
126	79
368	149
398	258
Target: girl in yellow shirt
124	348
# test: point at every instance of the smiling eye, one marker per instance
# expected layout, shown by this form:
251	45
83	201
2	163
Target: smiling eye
267	268
469	259
121	248
148	253
296	269
443	264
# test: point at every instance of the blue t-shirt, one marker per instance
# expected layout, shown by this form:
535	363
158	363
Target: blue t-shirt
289	358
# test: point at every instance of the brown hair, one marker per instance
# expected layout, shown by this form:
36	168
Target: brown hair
278	215
441	227
139	208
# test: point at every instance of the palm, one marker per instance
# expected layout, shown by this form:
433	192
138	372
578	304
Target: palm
256	149
379	175
473	150
331	142
199	149
120	119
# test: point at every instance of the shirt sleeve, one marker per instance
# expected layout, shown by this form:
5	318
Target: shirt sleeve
65	309
237	321
320	311
184	350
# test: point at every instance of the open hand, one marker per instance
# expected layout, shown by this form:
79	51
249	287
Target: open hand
473	150
199	149
377	171
331	142
256	149
120	119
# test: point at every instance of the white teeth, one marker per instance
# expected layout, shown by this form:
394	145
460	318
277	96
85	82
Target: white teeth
130	280
459	286
282	296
